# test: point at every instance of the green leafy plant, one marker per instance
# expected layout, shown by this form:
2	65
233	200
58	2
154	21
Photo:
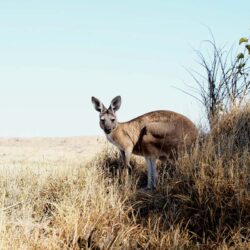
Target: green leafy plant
245	41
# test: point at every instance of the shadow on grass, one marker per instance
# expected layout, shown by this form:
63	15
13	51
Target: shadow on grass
199	197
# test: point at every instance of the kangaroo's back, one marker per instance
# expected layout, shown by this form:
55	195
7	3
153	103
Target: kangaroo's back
161	133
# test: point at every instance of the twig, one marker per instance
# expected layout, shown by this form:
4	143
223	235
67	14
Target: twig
14	205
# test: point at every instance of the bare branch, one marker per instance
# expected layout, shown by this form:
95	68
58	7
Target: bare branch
224	79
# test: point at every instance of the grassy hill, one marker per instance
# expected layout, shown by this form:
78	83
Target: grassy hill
53	195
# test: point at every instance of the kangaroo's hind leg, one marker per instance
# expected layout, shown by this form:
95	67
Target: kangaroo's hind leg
152	173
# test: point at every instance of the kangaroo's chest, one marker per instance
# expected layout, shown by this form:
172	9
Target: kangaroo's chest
114	142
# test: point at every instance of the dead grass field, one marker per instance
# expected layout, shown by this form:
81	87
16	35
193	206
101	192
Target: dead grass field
30	171
71	193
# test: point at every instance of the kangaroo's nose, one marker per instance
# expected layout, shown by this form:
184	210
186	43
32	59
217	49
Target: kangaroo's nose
107	130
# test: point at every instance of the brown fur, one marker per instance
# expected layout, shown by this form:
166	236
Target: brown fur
155	134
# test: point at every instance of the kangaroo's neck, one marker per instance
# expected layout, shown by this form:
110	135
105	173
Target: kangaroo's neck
129	130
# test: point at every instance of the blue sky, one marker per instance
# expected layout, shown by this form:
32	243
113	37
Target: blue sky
54	55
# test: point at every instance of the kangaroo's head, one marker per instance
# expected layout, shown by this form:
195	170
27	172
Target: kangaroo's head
108	119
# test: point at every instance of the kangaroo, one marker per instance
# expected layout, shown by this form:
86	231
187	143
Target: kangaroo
154	135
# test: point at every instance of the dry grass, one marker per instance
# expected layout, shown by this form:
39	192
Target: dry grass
55	200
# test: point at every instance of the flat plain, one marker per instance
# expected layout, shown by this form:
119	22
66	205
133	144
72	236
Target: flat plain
72	193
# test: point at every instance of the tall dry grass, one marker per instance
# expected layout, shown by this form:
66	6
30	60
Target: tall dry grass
202	202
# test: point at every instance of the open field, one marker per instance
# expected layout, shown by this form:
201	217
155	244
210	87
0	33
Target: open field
38	149
67	193
27	168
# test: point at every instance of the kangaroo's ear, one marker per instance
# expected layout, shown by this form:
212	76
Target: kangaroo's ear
97	104
116	103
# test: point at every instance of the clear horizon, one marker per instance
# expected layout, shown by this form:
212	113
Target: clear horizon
56	55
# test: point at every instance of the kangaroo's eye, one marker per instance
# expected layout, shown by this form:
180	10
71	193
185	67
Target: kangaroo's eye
102	119
112	119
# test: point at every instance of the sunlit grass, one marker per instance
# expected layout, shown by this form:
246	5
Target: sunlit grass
59	200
